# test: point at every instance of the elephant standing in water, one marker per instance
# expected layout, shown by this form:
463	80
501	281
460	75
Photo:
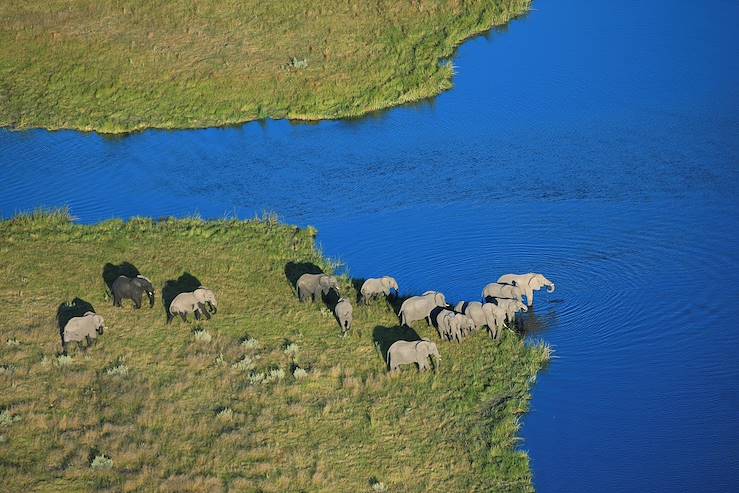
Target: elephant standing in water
419	307
132	288
488	314
312	286
410	352
502	291
528	283
374	288
511	307
84	328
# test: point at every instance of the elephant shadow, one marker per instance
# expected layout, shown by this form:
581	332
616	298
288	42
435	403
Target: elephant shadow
66	311
435	313
111	272
331	299
384	337
293	271
357	285
186	283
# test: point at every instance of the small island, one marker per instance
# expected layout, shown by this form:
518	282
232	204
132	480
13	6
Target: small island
265	396
115	67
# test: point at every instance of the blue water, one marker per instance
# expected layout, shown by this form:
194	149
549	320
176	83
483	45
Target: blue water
596	142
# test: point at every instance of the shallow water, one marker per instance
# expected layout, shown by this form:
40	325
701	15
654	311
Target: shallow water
597	142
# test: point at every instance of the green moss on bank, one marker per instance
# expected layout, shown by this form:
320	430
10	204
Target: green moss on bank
174	409
115	66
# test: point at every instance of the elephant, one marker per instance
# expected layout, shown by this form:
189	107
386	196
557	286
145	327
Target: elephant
208	298
374	288
447	326
487	314
409	352
466	324
343	311
84	328
132	288
312	286
194	303
511	307
419	307
528	283
505	291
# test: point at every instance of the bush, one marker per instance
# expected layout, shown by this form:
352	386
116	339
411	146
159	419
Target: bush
201	335
101	462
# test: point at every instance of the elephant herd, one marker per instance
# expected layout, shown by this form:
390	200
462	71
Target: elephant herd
501	301
86	328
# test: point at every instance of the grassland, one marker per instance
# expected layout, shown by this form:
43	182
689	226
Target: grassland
117	66
264	397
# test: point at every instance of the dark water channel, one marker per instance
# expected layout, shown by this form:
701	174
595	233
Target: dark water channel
596	142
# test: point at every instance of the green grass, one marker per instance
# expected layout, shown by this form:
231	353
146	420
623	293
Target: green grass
272	399
117	66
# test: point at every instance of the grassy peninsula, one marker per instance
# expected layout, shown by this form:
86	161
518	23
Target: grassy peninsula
118	66
264	397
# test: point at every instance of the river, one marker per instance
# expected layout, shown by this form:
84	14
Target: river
596	142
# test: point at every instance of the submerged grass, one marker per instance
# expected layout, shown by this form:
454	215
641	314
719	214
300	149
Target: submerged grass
156	407
119	66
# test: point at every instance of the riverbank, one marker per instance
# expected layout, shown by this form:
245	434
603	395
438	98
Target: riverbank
265	396
100	66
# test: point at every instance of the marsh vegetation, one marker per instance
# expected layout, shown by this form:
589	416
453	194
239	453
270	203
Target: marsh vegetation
115	66
265	396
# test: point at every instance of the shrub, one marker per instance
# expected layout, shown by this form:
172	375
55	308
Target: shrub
291	349
226	414
64	360
201	335
245	363
250	343
119	369
299	373
101	462
7	419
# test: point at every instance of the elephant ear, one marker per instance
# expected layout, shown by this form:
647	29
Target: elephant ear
535	282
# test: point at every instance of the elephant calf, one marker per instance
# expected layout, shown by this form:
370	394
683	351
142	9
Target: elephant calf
312	286
85	328
410	352
132	288
343	311
448	326
198	303
374	288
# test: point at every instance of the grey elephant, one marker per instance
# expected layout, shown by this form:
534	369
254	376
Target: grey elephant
528	283
419	307
186	303
208	298
343	311
466	324
375	287
132	288
410	352
312	286
446	326
85	328
484	314
502	291
511	307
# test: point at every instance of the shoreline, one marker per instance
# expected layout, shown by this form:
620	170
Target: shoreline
441	79
190	385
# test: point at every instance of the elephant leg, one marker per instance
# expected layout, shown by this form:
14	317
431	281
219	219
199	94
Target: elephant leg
530	297
204	311
169	317
137	303
196	312
183	315
64	348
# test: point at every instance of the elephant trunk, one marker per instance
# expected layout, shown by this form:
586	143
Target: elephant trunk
550	288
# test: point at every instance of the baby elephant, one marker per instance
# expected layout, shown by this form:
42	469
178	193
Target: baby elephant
85	328
343	312
198	303
312	286
410	352
132	288
374	288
